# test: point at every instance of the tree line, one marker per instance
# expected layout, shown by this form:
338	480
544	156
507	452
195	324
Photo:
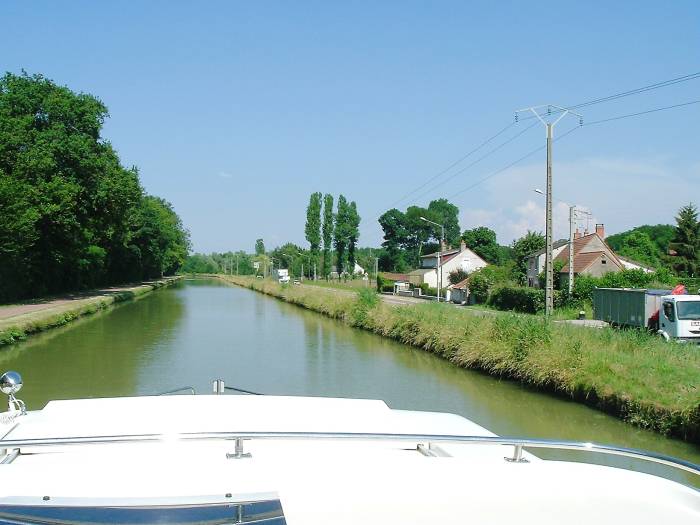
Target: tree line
71	216
675	248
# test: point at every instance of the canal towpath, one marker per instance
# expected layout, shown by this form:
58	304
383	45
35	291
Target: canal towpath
35	315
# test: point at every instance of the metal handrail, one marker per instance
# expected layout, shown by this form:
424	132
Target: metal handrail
181	389
243	391
518	443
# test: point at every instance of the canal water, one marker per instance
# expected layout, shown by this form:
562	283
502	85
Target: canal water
199	330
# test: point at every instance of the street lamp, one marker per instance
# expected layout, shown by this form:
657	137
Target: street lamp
439	270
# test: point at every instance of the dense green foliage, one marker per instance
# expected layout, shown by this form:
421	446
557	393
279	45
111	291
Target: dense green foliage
235	263
645	244
482	241
312	229
259	247
686	242
444	212
340	233
71	216
346	233
407	236
328	223
457	276
353	232
521	299
522	248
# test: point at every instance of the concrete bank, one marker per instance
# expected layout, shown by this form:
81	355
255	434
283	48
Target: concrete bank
628	374
17	321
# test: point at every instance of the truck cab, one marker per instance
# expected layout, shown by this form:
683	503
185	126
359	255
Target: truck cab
679	318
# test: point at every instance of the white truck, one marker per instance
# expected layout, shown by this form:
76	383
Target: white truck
673	314
282	275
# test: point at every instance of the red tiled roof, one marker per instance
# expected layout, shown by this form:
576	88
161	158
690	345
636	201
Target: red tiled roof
584	260
580	244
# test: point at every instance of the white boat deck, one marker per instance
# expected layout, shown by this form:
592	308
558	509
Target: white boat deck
318	480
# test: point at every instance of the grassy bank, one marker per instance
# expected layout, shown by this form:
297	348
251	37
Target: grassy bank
629	374
18	327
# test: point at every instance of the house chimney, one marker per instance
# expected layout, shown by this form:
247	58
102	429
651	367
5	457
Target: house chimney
462	245
585	232
443	246
577	234
600	230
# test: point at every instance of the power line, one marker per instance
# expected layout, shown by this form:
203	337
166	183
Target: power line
642	113
434	177
642	89
494	150
540	148
636	91
501	170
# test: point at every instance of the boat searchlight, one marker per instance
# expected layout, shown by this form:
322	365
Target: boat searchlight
10	384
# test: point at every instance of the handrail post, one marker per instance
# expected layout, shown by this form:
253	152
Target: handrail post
218	386
238	451
517	456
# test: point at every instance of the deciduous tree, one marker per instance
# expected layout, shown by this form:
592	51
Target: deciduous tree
522	248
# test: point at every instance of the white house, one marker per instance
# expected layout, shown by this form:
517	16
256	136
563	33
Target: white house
629	264
450	260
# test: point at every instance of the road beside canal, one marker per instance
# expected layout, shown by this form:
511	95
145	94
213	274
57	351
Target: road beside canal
17	321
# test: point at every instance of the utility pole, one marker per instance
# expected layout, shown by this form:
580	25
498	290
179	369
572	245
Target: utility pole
442	240
572	219
549	270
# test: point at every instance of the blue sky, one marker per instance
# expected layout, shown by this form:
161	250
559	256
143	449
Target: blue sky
235	112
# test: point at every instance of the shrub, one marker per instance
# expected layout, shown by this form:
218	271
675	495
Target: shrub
521	299
479	286
384	285
457	276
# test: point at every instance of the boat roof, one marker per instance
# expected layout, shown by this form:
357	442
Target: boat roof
314	481
185	414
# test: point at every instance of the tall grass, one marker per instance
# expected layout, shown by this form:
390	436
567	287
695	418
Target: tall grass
630	374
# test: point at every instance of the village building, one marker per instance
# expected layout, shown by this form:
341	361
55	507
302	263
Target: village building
459	292
461	258
592	256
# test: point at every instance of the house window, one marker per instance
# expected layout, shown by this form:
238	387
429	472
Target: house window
603	262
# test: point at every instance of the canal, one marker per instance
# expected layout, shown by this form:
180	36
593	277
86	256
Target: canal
199	330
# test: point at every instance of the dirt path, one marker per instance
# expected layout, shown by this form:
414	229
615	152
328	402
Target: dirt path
35	305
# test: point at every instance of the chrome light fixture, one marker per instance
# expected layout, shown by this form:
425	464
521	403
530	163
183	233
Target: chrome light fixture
10	384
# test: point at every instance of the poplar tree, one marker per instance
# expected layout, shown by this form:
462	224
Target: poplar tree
327	233
313	225
353	235
340	237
